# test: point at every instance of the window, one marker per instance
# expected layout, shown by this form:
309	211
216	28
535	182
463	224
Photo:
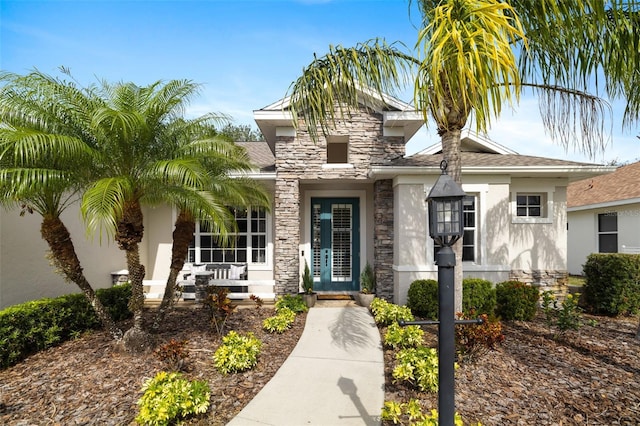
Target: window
337	149
530	205
469	234
249	244
608	232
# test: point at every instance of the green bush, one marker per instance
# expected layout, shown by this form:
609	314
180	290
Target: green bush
422	298
292	302
516	301
33	326
280	322
237	353
418	366
612	284
385	313
479	296
169	397
398	337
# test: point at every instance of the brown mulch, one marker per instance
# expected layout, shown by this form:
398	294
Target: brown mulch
538	376
541	376
90	381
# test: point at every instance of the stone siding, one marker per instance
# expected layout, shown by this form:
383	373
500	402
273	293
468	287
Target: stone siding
383	242
548	280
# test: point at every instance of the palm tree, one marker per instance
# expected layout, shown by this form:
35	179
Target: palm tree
471	57
43	143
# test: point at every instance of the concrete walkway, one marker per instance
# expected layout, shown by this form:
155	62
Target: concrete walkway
334	376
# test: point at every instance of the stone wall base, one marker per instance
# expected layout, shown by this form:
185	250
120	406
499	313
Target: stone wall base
546	280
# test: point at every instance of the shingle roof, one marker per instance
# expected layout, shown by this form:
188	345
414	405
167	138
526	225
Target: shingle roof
623	184
260	155
481	159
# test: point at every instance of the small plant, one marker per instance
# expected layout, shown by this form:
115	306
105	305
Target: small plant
367	280
257	300
237	353
475	340
168	397
307	279
418	366
566	317
292	302
516	301
280	322
220	306
173	354
385	313
411	413
397	337
549	306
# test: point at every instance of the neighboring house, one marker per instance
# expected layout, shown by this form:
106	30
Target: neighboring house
604	215
350	198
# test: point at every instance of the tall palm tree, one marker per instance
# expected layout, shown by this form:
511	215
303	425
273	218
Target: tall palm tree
44	146
471	57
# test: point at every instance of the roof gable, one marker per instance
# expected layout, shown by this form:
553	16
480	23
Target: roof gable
471	141
622	184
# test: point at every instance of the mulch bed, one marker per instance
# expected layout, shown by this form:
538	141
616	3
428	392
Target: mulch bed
541	376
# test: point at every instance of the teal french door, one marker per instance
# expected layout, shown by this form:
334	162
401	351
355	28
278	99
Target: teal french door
335	243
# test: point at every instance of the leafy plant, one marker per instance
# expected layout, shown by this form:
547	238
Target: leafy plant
422	298
169	397
280	322
237	353
307	279
479	296
219	305
385	313
257	300
292	302
418	366
516	301
567	316
475	340
398	337
411	413
367	280
612	284
173	354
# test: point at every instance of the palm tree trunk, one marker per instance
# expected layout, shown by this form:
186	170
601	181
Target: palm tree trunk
129	236
638	332
64	256
182	235
451	153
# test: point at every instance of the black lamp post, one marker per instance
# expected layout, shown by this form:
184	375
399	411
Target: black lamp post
446	226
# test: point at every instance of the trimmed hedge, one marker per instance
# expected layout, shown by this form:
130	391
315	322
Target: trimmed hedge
612	284
516	301
33	326
477	295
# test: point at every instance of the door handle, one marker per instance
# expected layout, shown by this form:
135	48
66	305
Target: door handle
326	259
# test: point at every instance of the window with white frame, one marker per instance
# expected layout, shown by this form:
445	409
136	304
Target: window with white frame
530	205
248	245
608	232
469	236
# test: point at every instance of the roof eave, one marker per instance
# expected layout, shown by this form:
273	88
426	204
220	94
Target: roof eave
574	173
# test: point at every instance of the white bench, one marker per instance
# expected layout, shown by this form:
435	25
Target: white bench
232	276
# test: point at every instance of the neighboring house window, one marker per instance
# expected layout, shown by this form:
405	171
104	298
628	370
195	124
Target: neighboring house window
249	244
469	208
530	205
608	232
337	149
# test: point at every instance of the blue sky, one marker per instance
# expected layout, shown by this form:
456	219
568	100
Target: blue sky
245	53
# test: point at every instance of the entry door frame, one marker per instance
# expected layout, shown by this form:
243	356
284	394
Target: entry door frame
305	217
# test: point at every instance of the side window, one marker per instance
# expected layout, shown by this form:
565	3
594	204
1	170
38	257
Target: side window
608	232
469	210
530	205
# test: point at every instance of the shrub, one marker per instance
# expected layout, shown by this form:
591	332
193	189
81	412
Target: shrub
292	302
475	340
385	313
173	354
422	298
411	413
169	397
516	301
280	322
33	326
567	315
418	366
237	353
398	337
479	296
219	305
612	284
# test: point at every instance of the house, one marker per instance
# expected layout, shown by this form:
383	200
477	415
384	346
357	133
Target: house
604	215
348	199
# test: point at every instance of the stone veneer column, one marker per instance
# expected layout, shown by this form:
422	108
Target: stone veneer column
383	241
287	235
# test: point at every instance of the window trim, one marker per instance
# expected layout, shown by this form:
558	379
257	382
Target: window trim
600	233
546	205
